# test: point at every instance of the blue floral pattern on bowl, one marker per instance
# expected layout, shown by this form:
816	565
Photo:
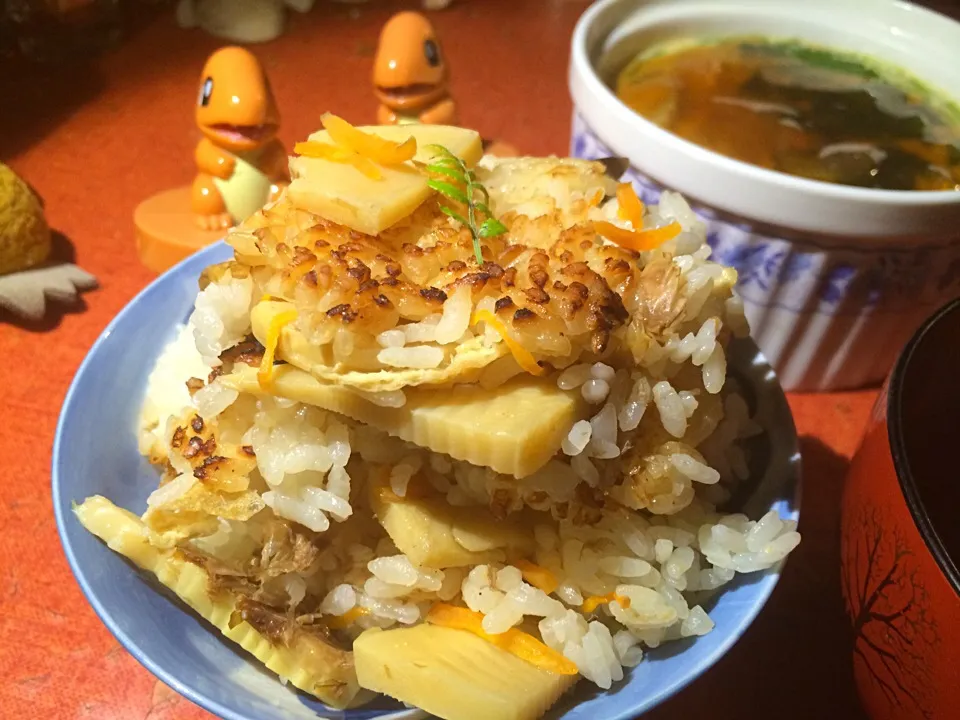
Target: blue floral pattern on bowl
782	278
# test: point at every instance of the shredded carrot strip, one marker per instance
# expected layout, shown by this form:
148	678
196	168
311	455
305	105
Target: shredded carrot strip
366	166
339	622
524	357
368	145
516	642
595	200
631	208
637	240
277	323
314	149
538	576
595	601
365	151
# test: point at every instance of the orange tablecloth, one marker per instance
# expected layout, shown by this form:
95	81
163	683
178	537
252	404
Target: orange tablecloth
96	140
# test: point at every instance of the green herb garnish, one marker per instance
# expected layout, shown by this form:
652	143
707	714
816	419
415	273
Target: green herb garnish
454	180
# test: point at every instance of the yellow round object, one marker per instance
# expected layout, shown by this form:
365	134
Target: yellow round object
24	233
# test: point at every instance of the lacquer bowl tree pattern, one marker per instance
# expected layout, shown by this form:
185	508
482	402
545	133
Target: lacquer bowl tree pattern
892	624
901	586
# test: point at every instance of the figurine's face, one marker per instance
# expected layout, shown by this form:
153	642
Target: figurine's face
410	71
235	106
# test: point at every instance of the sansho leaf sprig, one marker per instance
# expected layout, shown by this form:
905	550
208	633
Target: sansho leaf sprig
454	180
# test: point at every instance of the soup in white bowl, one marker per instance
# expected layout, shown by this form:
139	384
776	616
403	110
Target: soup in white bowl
833	278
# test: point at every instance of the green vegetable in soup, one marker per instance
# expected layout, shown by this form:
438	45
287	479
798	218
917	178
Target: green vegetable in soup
804	110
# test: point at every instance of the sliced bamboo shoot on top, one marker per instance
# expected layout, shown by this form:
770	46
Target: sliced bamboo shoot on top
340	192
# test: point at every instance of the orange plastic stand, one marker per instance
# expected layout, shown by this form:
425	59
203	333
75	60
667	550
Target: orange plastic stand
167	231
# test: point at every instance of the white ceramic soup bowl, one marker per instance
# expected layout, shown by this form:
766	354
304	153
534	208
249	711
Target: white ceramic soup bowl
834	278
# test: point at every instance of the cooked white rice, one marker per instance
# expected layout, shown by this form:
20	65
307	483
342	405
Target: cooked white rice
665	549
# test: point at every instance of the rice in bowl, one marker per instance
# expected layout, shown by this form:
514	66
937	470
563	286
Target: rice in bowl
373	446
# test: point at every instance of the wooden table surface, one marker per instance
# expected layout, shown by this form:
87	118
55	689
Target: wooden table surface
99	137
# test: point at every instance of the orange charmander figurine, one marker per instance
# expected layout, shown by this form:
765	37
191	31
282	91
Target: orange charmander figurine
241	164
410	74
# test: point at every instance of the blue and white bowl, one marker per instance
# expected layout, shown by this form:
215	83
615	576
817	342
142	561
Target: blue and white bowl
834	279
95	452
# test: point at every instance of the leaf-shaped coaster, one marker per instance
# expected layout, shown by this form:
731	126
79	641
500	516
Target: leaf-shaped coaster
25	293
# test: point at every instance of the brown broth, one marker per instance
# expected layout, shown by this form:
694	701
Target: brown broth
801	110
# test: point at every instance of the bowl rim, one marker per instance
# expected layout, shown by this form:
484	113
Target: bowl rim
57	486
627	707
898	450
584	78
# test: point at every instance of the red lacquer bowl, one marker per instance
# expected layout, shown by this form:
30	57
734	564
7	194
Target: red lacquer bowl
901	534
